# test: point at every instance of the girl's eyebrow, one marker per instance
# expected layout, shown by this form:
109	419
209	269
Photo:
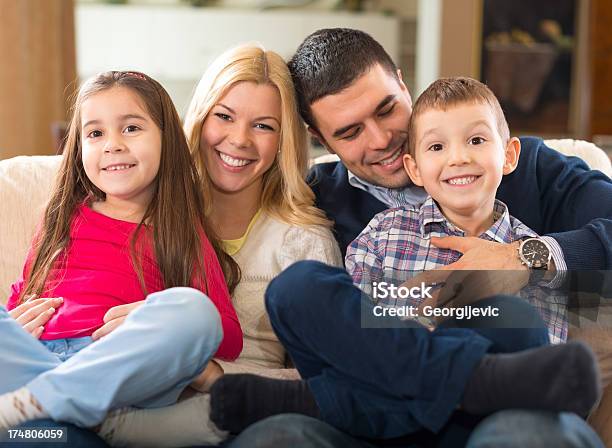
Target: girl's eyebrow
122	118
266	117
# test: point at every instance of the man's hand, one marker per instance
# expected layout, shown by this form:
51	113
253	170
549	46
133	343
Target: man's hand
486	269
33	314
479	254
115	317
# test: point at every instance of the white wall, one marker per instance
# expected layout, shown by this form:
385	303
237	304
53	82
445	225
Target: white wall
175	44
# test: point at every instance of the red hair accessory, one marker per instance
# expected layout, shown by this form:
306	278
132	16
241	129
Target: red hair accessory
136	75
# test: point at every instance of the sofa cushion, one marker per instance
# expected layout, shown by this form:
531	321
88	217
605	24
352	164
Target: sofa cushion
25	185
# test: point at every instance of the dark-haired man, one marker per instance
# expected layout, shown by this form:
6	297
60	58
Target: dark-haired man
354	101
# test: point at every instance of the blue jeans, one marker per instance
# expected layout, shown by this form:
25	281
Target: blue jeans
146	362
506	429
382	383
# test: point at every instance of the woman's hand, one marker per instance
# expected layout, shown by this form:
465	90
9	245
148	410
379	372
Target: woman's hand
35	313
115	317
206	379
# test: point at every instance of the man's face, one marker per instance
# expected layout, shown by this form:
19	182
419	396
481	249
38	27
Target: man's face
366	125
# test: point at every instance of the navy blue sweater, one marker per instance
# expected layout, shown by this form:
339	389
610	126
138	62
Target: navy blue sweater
553	194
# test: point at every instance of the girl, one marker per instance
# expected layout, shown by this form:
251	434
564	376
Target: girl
250	148
124	222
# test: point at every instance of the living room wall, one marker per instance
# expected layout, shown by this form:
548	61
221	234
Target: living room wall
37	62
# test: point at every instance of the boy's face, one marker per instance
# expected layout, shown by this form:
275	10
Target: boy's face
460	157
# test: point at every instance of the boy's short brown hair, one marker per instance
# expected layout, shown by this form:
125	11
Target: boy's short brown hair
447	92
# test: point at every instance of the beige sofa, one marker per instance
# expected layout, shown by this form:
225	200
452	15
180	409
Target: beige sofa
26	183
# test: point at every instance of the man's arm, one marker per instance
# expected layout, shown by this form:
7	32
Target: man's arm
561	197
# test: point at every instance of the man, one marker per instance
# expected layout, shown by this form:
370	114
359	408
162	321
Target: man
353	100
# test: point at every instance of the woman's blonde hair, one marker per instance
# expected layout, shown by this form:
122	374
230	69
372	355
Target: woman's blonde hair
285	192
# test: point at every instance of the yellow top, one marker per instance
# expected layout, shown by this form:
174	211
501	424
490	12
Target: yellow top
233	246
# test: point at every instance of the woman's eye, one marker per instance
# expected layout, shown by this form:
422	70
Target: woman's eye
222	116
264	126
94	134
387	111
435	147
477	141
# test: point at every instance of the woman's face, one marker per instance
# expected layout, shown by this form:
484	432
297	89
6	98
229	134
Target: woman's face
240	137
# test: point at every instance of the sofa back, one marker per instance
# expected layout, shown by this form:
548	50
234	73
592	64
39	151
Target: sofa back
25	186
26	183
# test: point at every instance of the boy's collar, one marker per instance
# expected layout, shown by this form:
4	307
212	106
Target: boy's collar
500	231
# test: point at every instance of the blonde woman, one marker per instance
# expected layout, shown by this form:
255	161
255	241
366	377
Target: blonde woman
250	147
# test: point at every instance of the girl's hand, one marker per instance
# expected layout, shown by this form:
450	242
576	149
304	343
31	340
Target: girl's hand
35	313
115	317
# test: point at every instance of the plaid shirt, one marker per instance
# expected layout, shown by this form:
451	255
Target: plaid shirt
396	244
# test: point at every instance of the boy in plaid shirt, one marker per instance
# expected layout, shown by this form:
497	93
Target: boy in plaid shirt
459	149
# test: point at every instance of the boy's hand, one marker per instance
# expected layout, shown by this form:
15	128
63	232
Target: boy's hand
206	379
114	318
33	314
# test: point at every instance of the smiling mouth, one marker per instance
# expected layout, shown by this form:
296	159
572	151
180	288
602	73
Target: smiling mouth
392	158
232	161
464	180
123	167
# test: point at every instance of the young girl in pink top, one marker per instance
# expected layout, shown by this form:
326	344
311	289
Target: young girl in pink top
124	225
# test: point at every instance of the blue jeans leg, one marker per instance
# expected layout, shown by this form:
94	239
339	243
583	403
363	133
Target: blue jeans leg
533	429
292	430
22	357
146	362
316	312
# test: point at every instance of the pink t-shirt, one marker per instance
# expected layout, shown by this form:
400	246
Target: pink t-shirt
96	273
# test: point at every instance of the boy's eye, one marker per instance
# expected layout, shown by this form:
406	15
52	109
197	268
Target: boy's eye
94	134
435	147
387	111
477	141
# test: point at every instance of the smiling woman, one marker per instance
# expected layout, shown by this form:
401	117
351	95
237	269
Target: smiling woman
249	144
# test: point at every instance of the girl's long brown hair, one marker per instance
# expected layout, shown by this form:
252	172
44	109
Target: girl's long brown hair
176	212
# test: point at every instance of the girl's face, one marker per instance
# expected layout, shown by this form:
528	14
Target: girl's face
240	137
121	145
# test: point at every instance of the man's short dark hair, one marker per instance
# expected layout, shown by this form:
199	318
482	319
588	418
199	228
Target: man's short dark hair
329	61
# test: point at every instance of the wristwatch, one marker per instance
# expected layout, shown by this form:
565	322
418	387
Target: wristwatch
534	253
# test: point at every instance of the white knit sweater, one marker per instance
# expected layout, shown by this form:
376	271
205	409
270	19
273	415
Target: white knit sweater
270	247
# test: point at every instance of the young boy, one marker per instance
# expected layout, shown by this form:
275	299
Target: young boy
459	149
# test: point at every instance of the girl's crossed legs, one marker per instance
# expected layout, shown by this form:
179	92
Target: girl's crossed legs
146	362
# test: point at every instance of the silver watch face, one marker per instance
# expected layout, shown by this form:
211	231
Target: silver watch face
535	253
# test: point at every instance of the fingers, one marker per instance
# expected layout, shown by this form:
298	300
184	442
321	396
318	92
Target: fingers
121	311
36	326
25	306
41	308
459	243
107	328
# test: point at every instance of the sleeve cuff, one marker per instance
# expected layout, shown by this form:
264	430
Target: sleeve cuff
559	259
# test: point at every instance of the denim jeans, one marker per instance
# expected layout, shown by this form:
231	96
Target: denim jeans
505	429
382	383
146	362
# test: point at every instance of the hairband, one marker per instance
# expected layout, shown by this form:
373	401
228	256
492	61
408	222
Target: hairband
136	75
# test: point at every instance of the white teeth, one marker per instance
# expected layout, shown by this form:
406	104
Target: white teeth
462	180
233	162
118	167
393	158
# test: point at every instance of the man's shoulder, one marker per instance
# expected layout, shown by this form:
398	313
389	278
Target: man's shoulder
327	172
